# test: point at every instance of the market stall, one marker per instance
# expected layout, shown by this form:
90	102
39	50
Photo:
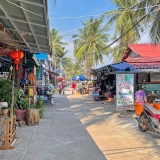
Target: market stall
20	32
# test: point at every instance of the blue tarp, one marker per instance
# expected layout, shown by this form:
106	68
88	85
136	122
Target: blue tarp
122	66
79	77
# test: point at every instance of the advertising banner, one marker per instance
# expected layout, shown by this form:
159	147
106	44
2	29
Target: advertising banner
125	91
39	73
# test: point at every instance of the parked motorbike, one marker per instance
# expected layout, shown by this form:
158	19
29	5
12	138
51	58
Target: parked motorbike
149	119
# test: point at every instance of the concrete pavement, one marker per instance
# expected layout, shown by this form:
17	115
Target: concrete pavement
78	128
59	136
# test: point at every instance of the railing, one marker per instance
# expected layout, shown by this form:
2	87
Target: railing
9	137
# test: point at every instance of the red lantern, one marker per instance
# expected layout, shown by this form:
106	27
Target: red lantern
16	56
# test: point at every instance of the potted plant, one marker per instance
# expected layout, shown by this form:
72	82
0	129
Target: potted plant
4	110
20	112
35	112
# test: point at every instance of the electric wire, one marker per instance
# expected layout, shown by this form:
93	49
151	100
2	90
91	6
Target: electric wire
64	33
95	15
24	8
125	32
124	44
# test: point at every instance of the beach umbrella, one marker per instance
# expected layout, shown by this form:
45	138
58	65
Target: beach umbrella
60	78
79	77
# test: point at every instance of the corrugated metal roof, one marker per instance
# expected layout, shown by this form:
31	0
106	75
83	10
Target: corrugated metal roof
149	65
27	21
144	62
143	59
146	50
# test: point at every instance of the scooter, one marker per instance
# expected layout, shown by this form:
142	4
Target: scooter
149	119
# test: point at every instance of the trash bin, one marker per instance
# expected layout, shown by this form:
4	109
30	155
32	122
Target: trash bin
138	108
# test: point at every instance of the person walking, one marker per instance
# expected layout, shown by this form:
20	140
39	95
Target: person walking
63	87
60	87
73	86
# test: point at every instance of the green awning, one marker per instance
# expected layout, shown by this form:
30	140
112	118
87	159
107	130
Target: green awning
27	21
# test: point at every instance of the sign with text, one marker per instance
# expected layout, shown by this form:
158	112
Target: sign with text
40	74
125	91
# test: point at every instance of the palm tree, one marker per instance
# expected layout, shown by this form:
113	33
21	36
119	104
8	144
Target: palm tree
124	13
73	68
57	43
152	15
60	58
89	42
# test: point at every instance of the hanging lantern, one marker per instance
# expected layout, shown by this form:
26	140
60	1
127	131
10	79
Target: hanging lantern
16	56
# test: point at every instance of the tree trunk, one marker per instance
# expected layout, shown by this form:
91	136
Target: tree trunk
33	117
18	73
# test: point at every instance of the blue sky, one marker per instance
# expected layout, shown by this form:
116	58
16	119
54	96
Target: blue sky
75	8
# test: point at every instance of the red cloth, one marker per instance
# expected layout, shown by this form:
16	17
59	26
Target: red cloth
73	85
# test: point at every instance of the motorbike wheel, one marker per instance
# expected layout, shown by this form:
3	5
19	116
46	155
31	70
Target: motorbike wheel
139	126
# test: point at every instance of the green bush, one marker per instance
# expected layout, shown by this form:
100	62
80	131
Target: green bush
6	91
39	105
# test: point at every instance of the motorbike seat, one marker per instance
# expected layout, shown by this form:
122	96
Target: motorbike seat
152	109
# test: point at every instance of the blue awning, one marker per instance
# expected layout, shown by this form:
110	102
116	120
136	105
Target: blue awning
122	66
41	56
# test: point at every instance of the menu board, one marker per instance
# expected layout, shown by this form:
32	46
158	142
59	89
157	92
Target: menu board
124	91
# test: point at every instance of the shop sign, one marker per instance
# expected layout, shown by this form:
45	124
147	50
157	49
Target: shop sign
125	92
40	75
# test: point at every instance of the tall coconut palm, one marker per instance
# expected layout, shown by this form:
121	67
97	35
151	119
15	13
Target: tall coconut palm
57	43
152	15
89	42
124	18
60	58
73	68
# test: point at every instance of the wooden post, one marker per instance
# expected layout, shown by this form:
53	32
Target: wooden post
6	145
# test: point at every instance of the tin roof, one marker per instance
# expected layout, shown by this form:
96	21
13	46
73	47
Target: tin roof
142	50
146	50
28	23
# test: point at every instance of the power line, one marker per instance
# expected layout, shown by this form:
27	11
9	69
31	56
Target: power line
109	29
124	44
62	34
60	18
126	31
78	17
24	8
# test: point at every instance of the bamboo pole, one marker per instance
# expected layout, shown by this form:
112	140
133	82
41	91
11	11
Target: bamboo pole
12	103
